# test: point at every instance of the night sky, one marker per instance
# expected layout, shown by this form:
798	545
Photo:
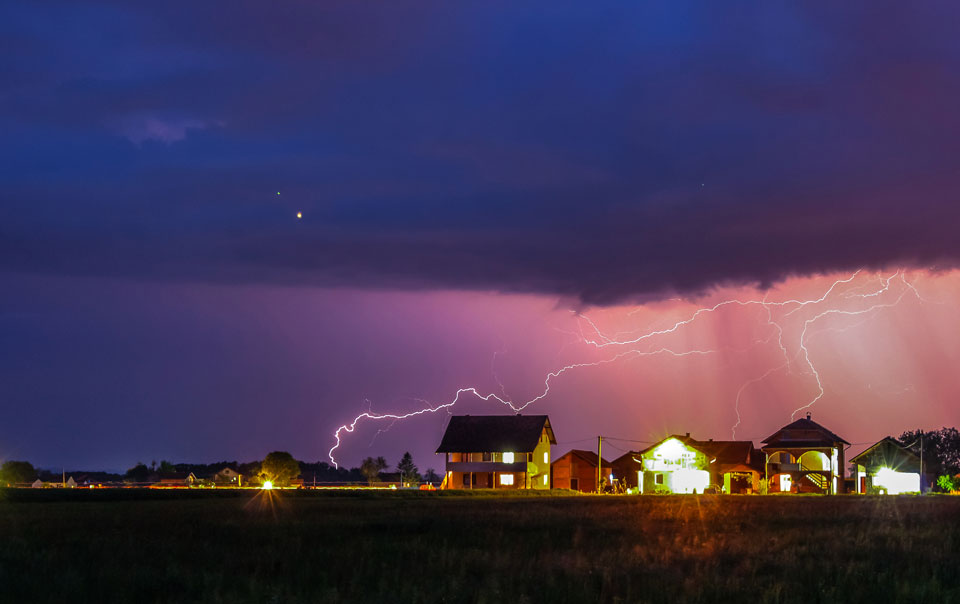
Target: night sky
483	186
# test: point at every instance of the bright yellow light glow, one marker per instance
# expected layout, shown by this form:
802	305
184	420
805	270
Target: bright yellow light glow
546	457
544	479
506	479
894	482
508	458
670	455
267	485
689	481
299	214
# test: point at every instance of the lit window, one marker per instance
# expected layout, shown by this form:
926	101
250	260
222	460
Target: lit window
546	457
508	458
506	479
544	480
785	483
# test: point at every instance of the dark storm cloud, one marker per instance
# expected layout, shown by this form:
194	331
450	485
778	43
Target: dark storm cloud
588	151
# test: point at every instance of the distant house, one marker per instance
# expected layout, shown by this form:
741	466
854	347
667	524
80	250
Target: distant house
497	452
38	484
577	470
228	476
176	479
681	464
804	457
71	483
887	467
626	469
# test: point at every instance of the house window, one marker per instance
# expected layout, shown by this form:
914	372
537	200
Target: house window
486	457
506	479
546	457
544	480
530	457
466	480
658	479
508	458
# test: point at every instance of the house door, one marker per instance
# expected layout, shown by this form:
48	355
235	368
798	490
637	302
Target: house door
575	484
863	484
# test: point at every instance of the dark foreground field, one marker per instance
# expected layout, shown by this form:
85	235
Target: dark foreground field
413	547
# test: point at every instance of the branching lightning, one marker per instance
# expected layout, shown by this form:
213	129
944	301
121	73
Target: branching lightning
794	352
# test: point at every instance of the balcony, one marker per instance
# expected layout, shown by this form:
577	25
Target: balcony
777	468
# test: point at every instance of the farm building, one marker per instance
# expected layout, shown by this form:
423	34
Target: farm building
887	467
804	457
577	470
681	464
177	479
497	452
228	475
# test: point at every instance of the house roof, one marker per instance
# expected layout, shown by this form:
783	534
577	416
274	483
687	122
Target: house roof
628	458
719	451
803	433
482	433
589	457
175	475
893	450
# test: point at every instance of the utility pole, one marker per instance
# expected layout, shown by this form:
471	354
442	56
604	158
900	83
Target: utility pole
921	461
599	462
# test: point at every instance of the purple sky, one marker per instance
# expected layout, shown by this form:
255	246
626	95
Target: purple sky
468	173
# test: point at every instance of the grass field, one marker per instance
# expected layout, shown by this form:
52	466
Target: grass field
142	546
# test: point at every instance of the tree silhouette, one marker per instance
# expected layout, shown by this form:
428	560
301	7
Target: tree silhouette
431	476
138	473
371	468
279	467
408	470
12	472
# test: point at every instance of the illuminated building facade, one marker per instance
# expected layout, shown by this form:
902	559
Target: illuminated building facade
497	452
804	457
681	464
577	470
888	468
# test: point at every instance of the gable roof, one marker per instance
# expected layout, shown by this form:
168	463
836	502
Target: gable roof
589	457
626	458
483	433
894	450
803	432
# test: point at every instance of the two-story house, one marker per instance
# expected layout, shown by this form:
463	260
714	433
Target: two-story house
804	457
497	452
681	464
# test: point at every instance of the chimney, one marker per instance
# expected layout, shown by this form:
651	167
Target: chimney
808	415
688	435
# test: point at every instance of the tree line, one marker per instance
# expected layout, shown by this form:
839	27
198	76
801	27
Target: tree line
279	467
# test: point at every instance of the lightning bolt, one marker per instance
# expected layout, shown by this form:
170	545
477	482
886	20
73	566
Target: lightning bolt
599	340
